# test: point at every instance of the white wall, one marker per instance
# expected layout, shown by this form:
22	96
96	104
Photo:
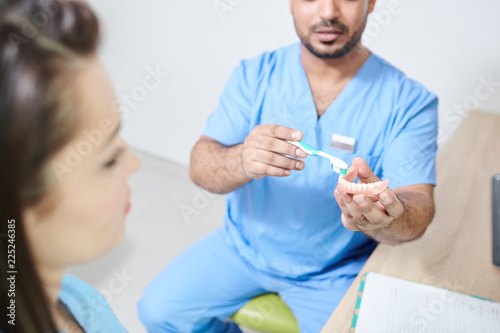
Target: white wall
451	46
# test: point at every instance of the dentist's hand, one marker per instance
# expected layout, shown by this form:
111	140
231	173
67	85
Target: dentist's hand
368	214
264	151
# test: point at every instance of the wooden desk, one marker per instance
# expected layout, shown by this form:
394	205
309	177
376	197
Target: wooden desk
456	251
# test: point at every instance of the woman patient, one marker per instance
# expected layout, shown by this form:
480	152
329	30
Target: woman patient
63	166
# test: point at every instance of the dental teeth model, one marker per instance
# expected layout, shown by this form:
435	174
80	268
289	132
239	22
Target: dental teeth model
346	184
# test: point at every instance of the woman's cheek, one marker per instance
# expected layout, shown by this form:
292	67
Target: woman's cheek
111	201
117	202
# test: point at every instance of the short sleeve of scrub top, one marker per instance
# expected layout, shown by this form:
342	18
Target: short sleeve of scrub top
229	123
409	156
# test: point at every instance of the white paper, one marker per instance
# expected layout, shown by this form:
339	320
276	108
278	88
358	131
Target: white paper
391	305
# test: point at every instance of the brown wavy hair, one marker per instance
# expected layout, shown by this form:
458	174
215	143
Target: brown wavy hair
41	41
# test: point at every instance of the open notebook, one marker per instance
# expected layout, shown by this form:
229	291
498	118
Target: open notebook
390	305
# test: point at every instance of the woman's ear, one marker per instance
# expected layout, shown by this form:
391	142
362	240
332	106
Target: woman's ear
371	4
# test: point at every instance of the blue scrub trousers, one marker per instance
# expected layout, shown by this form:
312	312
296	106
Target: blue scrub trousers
209	282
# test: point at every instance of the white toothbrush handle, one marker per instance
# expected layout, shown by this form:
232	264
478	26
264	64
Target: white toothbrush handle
337	163
298	145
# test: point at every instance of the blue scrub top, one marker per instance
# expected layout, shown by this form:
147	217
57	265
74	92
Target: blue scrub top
291	227
89	307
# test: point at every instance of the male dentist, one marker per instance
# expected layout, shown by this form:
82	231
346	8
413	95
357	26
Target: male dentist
287	228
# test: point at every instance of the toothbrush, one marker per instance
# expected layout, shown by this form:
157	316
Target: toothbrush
338	165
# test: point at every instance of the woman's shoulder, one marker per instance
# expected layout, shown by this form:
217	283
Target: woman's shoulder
88	306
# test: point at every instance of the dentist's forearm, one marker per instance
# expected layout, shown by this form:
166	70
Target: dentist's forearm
217	168
418	214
